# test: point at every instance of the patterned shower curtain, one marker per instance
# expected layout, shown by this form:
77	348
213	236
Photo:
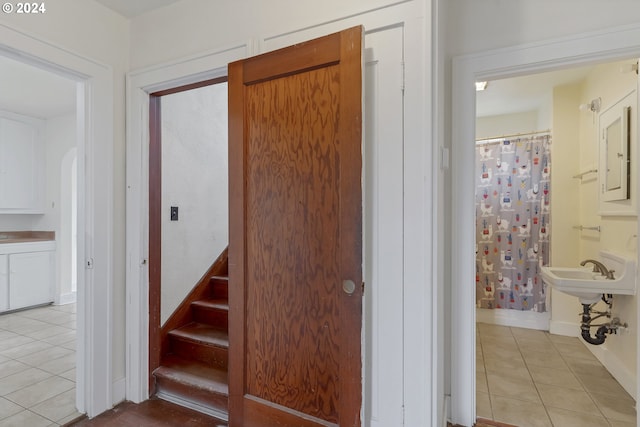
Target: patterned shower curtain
512	222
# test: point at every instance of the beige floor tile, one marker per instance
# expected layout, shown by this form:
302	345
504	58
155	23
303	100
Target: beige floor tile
70	335
60	365
483	406
567	398
70	374
574	351
497	339
69	345
481	382
15	341
589	367
58	407
44	356
67	308
32	327
502	385
562	339
22	379
522	334
69	418
565	418
51	331
543	358
486	329
500	352
514	367
24	419
11	367
603	385
10	321
8	408
616	408
561	377
25	349
615	423
41	391
518	412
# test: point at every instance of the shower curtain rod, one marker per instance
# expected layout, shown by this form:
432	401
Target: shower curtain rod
497	138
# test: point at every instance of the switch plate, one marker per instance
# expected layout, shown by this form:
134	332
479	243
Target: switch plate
174	213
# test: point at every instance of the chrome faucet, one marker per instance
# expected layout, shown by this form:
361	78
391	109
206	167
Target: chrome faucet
599	267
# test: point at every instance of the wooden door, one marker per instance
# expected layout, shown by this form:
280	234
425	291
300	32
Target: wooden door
295	244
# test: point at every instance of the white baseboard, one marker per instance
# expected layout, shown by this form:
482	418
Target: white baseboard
118	391
568	329
446	410
515	318
614	365
63	299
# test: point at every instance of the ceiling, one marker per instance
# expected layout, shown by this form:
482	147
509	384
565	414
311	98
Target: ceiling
29	90
526	93
132	8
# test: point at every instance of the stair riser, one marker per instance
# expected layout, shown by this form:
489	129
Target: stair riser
212	355
203	397
214	317
219	288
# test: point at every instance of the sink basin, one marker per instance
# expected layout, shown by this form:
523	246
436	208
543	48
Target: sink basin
588	286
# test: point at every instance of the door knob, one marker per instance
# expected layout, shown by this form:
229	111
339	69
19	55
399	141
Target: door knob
348	286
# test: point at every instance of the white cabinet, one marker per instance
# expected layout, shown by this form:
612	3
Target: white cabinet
4	282
26	274
22	164
30	279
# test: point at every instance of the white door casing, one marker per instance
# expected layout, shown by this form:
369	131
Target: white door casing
95	120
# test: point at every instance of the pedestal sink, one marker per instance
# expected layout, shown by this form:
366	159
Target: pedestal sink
589	286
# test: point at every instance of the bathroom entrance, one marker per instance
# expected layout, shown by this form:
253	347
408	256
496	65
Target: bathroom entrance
566	100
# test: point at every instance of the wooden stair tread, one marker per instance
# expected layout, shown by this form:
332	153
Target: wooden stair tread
212	304
194	374
202	333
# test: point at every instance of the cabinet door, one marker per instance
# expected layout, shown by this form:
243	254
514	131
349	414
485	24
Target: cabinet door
30	279
4	282
21	167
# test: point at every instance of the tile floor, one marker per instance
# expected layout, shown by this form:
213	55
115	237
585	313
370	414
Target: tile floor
531	378
37	366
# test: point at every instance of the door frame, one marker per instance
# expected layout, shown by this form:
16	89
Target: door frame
141	84
579	50
95	142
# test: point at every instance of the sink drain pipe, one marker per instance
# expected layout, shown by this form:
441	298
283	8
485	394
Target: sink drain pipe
586	327
603	329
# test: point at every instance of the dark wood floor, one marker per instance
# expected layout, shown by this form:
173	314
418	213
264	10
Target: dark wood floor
153	412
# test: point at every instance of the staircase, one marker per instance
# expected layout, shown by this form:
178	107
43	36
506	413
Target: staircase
195	349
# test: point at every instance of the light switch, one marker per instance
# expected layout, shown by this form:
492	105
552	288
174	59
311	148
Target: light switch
174	213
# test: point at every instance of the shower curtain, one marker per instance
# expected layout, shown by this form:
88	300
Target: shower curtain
512	222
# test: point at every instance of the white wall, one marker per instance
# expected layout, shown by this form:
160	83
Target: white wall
60	138
195	179
93	31
607	82
565	196
507	124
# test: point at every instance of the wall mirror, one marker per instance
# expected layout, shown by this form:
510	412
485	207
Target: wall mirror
614	169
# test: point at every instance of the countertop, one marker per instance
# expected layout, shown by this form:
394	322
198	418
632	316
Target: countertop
26	236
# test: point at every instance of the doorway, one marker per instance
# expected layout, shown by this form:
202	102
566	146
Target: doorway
94	132
589	49
188	197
